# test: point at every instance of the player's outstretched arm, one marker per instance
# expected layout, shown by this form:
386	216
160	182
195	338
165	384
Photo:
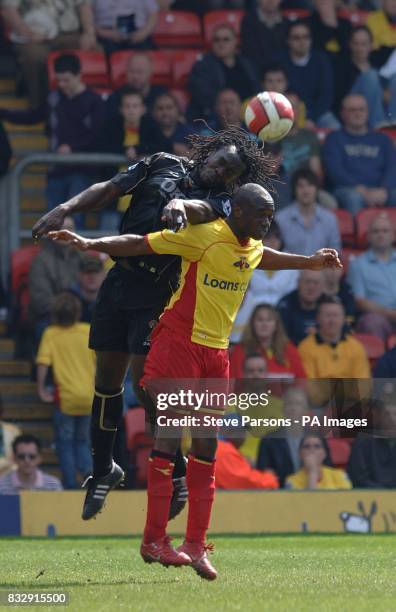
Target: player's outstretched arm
276	260
96	197
177	213
118	246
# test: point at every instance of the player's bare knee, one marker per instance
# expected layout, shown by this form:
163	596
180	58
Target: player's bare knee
167	445
204	447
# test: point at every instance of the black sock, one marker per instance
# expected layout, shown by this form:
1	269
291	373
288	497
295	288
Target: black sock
180	465
106	413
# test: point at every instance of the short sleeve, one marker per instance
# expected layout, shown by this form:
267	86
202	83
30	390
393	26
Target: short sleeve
185	243
127	180
44	353
220	206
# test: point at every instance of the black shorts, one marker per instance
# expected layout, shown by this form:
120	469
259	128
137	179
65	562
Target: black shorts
116	326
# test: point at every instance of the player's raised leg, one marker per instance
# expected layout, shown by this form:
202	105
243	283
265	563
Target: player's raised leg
201	490
107	406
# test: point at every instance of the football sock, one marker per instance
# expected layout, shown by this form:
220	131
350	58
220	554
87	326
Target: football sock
201	489
159	495
107	409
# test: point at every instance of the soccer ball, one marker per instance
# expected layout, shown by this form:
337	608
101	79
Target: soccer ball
269	115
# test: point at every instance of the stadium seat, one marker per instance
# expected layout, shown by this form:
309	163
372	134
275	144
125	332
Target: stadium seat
294	14
356	17
213	19
346	226
347	255
182	62
374	346
364	218
177	29
340	450
183	97
135	424
21	260
391	342
161	67
322	133
139	444
93	67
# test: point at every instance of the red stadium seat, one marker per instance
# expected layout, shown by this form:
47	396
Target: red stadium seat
340	450
389	130
93	67
346	226
161	66
391	342
214	19
356	17
21	261
347	255
365	217
183	98
182	62
374	346
177	29
135	424
138	443
295	14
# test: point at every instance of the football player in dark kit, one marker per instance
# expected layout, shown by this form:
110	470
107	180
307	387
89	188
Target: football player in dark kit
166	191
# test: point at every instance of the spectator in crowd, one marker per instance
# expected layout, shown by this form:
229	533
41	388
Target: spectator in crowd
314	474
299	307
228	111
381	24
165	131
263	33
5	151
305	225
359	162
75	115
356	75
386	365
40	27
233	470
335	284
270	286
92	273
64	348
329	31
138	78
372	276
27	476
331	352
265	334
310	75
279	450
222	67
274	78
372	463
125	24
8	432
256	381
54	269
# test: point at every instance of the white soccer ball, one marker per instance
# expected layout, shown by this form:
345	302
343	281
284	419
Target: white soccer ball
269	115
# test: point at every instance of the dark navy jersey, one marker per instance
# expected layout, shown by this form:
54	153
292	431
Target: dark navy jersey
152	183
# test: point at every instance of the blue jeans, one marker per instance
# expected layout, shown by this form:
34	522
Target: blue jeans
62	188
353	201
73	446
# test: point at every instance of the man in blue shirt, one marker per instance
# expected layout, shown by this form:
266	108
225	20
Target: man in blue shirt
359	162
304	224
372	276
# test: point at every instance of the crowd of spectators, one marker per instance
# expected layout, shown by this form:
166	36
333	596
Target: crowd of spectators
341	81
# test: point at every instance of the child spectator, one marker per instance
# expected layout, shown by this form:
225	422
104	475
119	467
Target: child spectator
75	116
27	476
313	473
265	334
64	348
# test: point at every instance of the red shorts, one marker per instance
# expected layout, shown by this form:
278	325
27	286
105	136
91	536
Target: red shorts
175	356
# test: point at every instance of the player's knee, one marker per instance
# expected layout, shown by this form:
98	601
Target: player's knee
204	447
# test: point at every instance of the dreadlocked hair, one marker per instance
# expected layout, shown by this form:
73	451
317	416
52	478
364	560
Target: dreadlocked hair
260	166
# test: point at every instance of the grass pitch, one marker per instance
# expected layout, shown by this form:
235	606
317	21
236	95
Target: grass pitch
276	573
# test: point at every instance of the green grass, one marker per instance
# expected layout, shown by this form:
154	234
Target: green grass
276	573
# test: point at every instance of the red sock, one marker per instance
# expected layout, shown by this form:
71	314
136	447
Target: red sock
159	495
201	488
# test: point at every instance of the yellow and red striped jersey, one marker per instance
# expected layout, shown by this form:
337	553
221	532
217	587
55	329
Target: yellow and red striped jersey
216	270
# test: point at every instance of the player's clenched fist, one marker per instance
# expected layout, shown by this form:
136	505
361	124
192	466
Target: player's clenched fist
82	244
324	258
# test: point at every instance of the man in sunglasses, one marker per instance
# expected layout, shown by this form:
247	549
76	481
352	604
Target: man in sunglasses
27	476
